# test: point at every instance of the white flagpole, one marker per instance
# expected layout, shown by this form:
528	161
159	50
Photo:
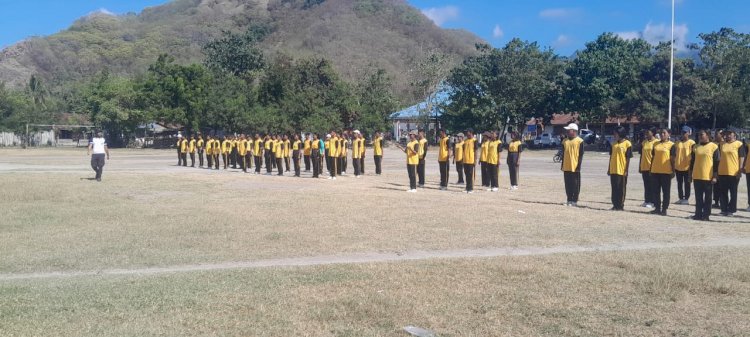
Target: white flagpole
671	72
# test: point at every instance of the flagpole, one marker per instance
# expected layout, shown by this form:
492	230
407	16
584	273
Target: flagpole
671	72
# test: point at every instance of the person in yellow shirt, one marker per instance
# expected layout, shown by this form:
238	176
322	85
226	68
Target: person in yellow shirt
746	169
342	147
316	153
209	153
718	139
179	151
287	152
662	172
423	145
444	155
683	155
469	160
226	151
216	152
268	151
494	148
327	157
412	160
297	147
184	147
233	153
483	159
458	157
362	149
192	149
377	151
647	152
249	144
307	151
704	165
730	172
572	157
258	152
242	153
278	152
619	163
514	159
356	154
333	153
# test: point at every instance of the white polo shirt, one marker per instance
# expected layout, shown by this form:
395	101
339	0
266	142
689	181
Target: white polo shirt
98	145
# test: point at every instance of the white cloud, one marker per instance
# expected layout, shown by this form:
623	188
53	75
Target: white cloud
561	41
560	13
498	32
441	15
105	12
656	33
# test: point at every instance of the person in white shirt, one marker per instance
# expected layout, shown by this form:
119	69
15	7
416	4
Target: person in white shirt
97	150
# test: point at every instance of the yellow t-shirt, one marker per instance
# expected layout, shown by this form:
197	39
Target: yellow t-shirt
200	143
747	161
493	149
308	147
683	155
729	165
661	162
647	153
356	151
191	146
296	145
514	146
422	148
333	147
571	154
184	146
412	153
619	156
209	145
241	147
278	148
362	147
267	144
458	152
226	146
443	152
377	146
256	147
705	155
483	153
469	150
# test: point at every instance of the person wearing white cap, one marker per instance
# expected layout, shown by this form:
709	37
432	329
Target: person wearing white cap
571	164
179	153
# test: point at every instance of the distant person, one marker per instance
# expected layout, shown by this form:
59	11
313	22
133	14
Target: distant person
422	155
356	154
316	153
183	150
192	150
683	155
515	147
209	151
296	147
412	160
485	175
746	169
494	148
458	157
572	156
307	151
179	150
377	151
201	146
662	172
469	161
619	163
731	154
647	153
258	152
718	139
705	166
444	154
98	150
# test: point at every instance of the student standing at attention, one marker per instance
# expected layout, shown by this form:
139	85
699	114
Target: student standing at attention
469	160
200	144
731	153
443	157
307	151
377	149
514	159
647	152
296	146
494	147
683	155
662	172
619	163
422	154
571	164
458	157
705	166
412	161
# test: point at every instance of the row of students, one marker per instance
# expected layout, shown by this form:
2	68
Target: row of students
279	152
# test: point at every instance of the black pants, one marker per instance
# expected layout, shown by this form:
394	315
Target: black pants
269	162
485	174
258	163
209	160
226	158
420	171
339	165
320	164
295	159
249	160
619	189
184	159
315	165
179	157
378	162
200	158
572	185
344	163
683	184
286	163
469	172
279	166
703	193
444	171
233	158
492	174
662	187
513	169
747	180
728	189
362	165
332	166
648	187
97	163
192	159
717	193
356	166
412	176
307	163
460	171
216	160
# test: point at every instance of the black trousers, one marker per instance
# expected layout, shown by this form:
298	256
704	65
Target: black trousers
460	171
378	163
258	163
233	158
513	169
662	187
469	172
420	171
307	163
184	158
286	163
572	185
249	160
179	157
747	180
279	167
340	165
344	163
356	166
315	165
362	165
648	187
444	172
321	158
295	159
192	159
412	169
683	184
333	166
493	172
703	194
619	185
269	162
728	189
200	158
209	160
485	174
97	163
226	158
717	193
216	160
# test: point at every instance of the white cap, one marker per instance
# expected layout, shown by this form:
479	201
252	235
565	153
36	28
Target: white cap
571	126
328	135
356	131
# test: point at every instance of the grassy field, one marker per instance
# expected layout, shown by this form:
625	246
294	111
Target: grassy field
148	213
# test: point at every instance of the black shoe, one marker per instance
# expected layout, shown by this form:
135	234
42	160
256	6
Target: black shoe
656	211
715	206
663	213
99	179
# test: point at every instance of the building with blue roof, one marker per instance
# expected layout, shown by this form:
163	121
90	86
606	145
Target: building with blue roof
415	116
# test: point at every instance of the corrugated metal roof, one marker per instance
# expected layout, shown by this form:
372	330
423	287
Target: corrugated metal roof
439	100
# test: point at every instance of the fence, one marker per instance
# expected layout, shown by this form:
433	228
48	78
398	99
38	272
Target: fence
39	138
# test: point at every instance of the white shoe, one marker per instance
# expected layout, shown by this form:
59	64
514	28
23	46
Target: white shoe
515	188
649	205
334	178
470	192
574	204
411	191
329	178
494	189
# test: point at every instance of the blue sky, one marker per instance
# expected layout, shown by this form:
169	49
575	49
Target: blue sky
564	25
